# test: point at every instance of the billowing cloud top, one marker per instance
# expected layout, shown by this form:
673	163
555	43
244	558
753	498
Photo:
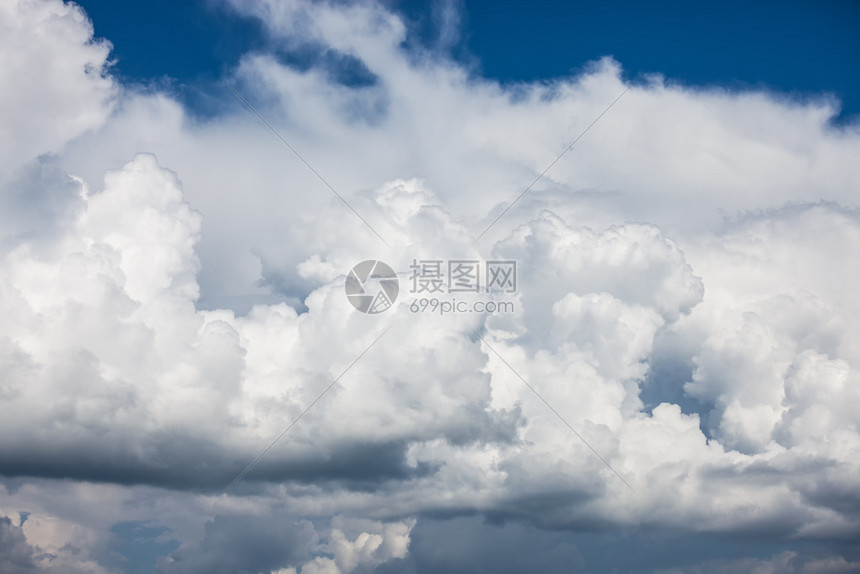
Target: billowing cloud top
172	298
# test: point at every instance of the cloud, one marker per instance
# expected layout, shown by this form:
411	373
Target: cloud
267	541
243	544
15	554
785	563
172	295
40	543
56	79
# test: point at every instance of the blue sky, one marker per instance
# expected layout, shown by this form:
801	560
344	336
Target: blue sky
172	287
800	49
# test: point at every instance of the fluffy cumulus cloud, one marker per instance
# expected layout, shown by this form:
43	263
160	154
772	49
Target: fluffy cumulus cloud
54	78
681	361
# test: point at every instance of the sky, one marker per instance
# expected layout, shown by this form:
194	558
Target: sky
666	381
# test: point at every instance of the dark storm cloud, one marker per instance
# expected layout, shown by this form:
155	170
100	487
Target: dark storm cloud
470	545
475	546
189	463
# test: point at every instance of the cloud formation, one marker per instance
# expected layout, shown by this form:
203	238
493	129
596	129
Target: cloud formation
172	295
55	78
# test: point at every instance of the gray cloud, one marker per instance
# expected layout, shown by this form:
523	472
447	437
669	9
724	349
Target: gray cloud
243	544
15	554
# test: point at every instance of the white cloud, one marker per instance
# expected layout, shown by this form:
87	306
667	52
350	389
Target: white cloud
374	544
53	73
